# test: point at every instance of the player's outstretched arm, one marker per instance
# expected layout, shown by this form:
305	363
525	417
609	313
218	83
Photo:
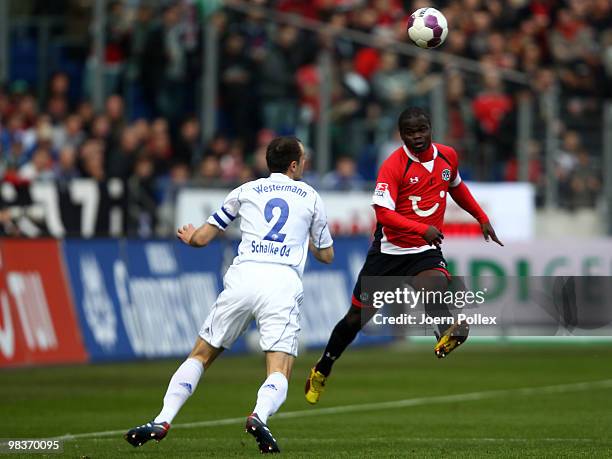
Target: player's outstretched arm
462	196
325	255
199	237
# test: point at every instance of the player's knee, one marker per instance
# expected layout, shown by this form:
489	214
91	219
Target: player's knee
204	352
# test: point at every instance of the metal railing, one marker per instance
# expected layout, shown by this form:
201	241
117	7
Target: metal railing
437	100
529	113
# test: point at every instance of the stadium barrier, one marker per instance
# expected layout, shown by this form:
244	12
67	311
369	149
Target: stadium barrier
76	300
86	208
98	300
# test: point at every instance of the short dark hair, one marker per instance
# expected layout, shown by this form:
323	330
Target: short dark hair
281	152
412	112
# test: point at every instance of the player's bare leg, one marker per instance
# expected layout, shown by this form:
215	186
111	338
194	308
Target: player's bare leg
344	333
449	336
270	397
182	384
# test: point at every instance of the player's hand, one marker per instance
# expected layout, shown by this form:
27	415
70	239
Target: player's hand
433	236
185	233
489	232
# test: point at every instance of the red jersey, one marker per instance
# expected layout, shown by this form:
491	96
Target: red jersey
417	191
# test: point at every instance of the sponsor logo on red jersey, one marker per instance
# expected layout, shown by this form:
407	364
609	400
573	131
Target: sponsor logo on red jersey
380	189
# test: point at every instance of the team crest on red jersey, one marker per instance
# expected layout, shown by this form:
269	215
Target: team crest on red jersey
380	189
446	174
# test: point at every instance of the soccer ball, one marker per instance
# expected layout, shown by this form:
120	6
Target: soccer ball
427	28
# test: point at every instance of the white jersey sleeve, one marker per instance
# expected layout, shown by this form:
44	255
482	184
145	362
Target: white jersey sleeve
228	211
319	230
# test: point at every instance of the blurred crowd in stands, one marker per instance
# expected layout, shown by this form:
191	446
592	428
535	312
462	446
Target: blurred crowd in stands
149	132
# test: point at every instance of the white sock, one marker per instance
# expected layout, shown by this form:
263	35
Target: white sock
182	385
271	396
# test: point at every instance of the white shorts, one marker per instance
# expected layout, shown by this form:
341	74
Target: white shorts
267	292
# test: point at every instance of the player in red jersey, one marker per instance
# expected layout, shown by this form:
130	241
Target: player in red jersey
410	201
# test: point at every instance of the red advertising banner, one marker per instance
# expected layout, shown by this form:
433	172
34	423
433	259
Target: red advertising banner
37	318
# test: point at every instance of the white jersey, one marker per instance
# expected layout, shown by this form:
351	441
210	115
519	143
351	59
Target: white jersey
277	217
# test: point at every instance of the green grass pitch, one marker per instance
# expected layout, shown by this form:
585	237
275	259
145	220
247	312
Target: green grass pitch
488	414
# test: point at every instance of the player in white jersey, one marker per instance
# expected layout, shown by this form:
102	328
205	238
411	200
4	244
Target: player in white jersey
280	219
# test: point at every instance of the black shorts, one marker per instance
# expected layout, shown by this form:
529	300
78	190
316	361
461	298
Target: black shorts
383	264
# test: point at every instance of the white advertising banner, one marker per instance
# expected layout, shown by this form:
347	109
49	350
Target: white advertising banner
559	287
562	257
510	207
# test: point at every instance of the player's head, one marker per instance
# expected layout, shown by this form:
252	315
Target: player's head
286	155
415	129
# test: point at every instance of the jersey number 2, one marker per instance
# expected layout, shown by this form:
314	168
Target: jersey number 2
275	234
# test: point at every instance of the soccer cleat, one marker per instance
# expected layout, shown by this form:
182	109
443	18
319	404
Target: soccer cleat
315	385
452	338
261	433
138	436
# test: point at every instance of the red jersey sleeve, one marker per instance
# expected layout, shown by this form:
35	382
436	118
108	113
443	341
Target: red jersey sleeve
387	184
385	198
462	196
391	219
460	192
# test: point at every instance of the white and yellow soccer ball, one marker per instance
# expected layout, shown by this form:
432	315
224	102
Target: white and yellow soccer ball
427	28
